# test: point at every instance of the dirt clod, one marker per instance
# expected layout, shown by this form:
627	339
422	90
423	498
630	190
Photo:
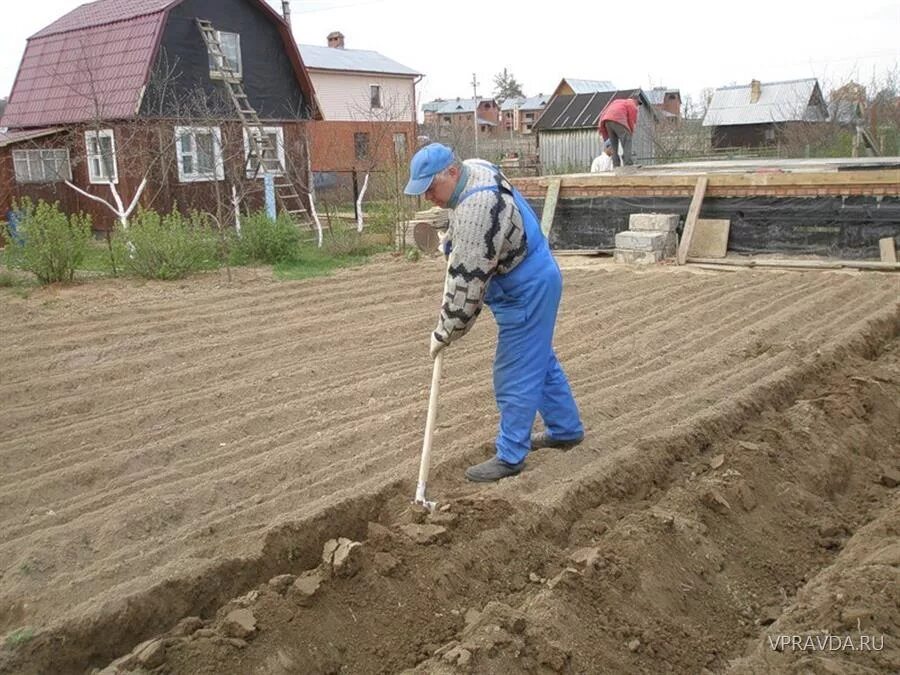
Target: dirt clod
347	558
239	623
712	499
889	478
187	626
150	654
282	583
426	534
306	586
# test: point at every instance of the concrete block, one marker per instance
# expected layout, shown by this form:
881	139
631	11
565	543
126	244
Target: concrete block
653	222
637	257
710	238
670	247
641	241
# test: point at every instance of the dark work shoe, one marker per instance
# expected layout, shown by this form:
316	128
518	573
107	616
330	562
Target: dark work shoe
493	469
542	439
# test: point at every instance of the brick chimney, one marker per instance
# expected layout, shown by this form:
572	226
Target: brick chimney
336	39
755	88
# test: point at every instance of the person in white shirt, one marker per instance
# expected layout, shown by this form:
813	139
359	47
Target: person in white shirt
604	161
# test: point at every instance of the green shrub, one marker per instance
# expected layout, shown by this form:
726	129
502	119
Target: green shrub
266	241
165	247
46	242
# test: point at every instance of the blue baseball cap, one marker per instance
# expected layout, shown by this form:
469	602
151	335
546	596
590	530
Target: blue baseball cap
425	164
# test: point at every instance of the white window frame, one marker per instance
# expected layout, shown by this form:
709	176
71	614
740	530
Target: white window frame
215	70
35	157
373	104
94	178
279	144
192	133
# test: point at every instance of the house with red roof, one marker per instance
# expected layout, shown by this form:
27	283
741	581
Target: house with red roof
120	94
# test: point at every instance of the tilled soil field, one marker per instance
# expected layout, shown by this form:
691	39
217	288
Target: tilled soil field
214	477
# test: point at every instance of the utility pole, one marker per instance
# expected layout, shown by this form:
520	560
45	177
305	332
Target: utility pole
475	110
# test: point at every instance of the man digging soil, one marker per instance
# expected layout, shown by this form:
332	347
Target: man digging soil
498	255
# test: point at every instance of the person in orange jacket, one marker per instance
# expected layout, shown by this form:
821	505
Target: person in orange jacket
617	123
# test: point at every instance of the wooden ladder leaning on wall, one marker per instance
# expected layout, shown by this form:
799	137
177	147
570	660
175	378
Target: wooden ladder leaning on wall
262	155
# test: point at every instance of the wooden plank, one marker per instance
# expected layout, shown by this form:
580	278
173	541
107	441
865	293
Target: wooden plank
716	268
550	206
888	250
710	238
887	178
691	221
582	251
802	264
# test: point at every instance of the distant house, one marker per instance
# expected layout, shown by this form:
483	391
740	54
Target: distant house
368	102
847	105
568	137
118	92
519	114
754	115
666	101
569	86
446	116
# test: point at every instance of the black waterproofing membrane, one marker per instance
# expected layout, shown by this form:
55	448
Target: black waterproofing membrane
182	65
837	227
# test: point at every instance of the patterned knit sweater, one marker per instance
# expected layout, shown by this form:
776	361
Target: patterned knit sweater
487	236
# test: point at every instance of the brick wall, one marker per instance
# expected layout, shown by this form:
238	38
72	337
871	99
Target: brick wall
333	145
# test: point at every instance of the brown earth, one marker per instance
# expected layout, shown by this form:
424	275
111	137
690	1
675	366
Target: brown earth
168	449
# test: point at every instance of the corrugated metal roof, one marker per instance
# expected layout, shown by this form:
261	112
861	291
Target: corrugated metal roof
574	112
458	105
538	102
94	61
581	111
358	60
778	102
589	86
64	74
103	12
657	95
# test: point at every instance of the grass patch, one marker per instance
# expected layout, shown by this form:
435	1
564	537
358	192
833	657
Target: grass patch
97	259
18	284
19	637
338	250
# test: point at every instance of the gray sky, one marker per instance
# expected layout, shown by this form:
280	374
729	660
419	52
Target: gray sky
687	44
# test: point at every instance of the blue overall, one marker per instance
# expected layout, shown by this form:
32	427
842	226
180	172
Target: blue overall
527	376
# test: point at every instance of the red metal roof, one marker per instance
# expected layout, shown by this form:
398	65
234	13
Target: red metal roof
92	73
103	12
90	64
94	62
